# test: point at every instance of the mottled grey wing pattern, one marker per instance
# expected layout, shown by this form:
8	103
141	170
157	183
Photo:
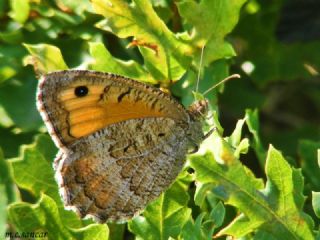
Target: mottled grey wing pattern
113	173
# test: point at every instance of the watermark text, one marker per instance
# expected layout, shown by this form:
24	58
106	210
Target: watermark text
13	235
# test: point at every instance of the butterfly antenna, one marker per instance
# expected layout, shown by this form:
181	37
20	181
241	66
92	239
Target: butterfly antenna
199	72
222	81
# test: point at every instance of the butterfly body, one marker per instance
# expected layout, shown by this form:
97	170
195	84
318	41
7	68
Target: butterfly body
121	142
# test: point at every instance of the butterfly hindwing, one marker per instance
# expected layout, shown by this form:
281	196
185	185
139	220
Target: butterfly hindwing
116	176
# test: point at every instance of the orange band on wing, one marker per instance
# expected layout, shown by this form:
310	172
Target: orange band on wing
99	108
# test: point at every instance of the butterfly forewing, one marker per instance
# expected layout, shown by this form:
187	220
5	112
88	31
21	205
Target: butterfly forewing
70	114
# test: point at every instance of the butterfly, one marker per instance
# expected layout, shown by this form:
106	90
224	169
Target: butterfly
121	142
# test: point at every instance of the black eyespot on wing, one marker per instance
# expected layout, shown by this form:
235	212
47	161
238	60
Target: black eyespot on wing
81	91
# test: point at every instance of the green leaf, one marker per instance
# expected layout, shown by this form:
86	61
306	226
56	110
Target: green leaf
309	164
205	224
103	61
164	54
192	229
252	120
202	190
31	161
43	216
3	210
211	21
37	158
77	6
235	137
316	203
241	146
164	217
217	215
92	231
19	10
241	226
222	150
3	8
45	58
21	110
6	180
276	210
6	193
13	34
218	49
10	59
117	231
284	191
6	72
11	143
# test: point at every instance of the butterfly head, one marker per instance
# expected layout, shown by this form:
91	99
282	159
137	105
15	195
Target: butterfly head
199	109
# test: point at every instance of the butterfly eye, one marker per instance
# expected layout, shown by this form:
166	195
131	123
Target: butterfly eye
81	91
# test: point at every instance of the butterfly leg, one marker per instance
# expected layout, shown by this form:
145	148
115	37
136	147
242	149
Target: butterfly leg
210	132
209	117
196	146
194	150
